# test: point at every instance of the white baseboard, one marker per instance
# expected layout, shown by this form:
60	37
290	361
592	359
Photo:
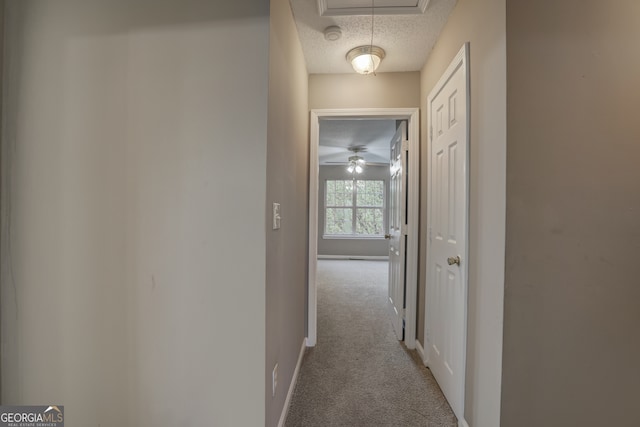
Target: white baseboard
421	352
292	386
462	423
355	257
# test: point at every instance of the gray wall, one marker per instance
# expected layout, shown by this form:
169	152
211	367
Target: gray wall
133	251
482	23
2	26
572	301
355	247
287	184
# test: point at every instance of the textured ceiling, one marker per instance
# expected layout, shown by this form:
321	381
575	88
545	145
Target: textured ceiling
337	135
407	39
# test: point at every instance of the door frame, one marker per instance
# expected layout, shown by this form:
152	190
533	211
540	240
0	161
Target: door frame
412	115
461	60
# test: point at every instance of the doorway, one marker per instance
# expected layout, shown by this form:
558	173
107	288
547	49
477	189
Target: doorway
411	116
353	188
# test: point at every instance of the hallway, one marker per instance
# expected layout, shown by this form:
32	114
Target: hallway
359	374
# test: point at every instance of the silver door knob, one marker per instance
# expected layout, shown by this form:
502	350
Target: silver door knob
387	236
453	260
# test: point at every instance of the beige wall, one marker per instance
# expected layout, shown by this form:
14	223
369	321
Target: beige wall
133	250
572	302
482	23
385	90
287	184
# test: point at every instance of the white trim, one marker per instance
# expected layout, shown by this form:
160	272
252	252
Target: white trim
413	231
355	257
314	171
292	386
413	117
324	10
421	352
461	60
353	236
462	423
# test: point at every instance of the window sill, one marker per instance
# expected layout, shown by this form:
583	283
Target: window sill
351	237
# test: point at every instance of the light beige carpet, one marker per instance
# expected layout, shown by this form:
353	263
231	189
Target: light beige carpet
359	374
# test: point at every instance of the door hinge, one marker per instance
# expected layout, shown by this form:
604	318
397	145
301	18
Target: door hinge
429	234
405	145
430	132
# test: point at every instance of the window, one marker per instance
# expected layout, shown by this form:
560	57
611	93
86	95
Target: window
354	208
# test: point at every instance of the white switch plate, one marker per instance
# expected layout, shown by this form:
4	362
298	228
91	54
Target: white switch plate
276	216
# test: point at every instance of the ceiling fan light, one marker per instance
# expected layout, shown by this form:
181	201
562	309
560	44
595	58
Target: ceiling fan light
359	169
365	59
351	168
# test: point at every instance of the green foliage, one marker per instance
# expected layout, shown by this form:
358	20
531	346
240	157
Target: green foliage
369	221
370	193
339	221
354	207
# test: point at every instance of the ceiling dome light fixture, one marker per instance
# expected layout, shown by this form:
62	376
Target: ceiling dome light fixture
365	59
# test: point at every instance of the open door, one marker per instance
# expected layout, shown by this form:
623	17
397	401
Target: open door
398	229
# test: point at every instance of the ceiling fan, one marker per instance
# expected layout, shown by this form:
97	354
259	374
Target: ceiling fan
356	162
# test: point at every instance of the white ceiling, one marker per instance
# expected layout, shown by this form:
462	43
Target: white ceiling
406	39
337	135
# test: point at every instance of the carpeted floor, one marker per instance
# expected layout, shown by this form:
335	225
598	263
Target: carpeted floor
359	374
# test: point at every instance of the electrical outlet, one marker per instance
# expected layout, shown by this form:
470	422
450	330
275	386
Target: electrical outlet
274	379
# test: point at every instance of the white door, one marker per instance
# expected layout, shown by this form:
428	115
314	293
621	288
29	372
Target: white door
397	229
446	296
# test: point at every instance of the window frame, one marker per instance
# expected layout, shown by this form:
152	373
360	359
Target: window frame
354	211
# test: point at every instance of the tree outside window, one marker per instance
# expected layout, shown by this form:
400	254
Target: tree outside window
354	208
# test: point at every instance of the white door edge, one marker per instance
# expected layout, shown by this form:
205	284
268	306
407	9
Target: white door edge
460	60
413	117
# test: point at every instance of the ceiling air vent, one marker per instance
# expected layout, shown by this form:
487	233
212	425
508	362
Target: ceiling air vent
363	7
